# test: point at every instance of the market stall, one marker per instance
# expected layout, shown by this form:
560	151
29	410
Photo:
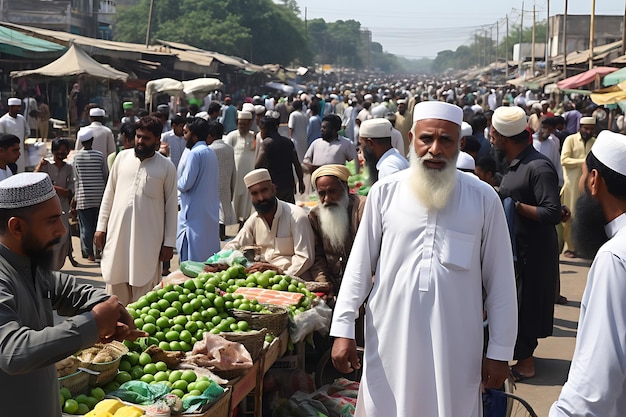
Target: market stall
214	331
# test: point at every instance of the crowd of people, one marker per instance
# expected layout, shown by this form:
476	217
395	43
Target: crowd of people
475	194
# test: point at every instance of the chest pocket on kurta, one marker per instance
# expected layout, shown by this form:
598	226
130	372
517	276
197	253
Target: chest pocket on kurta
152	187
457	250
284	245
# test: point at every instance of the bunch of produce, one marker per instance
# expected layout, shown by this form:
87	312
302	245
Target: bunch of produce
177	316
80	404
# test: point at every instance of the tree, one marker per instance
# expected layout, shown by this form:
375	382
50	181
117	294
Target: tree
258	30
291	5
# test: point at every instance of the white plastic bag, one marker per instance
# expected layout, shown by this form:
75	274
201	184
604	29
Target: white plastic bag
317	318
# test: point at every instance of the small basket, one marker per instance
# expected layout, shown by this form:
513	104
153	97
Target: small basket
77	383
253	340
106	370
275	322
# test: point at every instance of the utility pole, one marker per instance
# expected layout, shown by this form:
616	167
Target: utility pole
532	44
521	31
591	32
490	45
497	41
149	22
477	48
306	30
548	40
506	48
565	42
624	32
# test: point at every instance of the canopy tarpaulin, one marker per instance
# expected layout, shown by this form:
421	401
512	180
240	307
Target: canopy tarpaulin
163	85
584	78
610	95
201	86
74	62
20	44
615	77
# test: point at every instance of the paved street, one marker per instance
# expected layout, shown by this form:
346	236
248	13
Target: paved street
553	355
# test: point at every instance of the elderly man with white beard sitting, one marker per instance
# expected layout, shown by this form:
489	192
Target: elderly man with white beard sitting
335	222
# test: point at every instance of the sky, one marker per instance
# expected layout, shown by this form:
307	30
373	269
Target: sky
421	28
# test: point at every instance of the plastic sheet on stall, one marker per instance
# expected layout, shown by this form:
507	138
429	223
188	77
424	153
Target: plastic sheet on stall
317	318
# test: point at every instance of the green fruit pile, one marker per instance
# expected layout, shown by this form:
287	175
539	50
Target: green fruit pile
136	366
81	404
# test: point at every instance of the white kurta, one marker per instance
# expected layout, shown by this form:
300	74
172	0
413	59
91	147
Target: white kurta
596	384
19	127
288	242
424	333
245	153
138	212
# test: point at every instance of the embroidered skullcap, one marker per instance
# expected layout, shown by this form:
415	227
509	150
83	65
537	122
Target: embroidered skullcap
244	115
84	134
466	129
437	110
127	105
256	176
259	109
25	189
375	128
509	121
588	120
465	161
96	112
610	149
335	170
13	101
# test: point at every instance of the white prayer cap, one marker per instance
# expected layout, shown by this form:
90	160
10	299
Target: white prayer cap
249	107
25	189
244	115
368	97
544	102
256	176
509	121
466	129
476	108
536	106
588	120
375	128
84	134
465	161
258	109
13	101
401	101
273	114
96	112
203	115
334	96
257	97
610	149
437	110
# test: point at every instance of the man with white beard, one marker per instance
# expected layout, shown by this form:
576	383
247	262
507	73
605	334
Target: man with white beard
335	221
433	238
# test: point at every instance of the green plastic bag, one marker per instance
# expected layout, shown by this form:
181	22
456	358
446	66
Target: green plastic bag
139	392
191	404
